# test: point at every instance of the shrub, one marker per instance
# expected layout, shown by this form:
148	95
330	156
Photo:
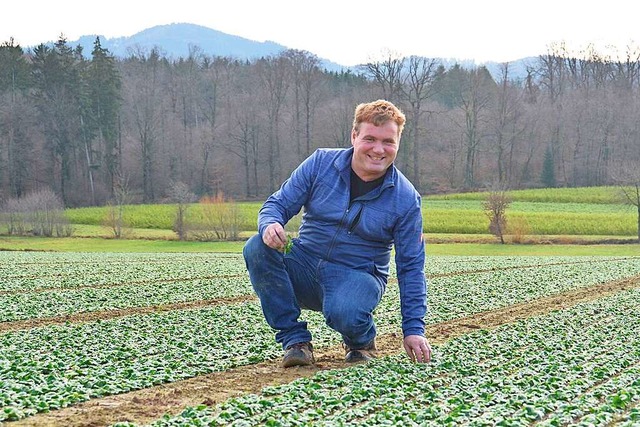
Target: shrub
220	219
114	218
518	228
39	213
183	197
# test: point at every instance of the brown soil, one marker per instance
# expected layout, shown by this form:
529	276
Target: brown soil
147	405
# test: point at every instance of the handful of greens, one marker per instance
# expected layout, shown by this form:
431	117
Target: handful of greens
289	245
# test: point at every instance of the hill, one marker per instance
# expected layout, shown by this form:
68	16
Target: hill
177	40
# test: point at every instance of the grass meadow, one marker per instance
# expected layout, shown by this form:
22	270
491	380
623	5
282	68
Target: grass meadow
592	211
551	221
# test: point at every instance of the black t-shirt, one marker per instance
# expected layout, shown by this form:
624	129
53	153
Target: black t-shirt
360	187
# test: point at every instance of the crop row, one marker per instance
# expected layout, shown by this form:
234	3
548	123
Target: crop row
46	270
575	367
485	289
24	306
449	264
457	296
21	272
54	366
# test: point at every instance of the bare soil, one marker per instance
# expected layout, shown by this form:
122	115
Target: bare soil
144	406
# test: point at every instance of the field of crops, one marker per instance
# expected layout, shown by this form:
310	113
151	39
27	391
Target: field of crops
101	339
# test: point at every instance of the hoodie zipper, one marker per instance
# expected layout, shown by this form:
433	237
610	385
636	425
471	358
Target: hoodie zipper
356	220
335	236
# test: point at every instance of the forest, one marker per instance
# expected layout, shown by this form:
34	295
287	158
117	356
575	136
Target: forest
88	127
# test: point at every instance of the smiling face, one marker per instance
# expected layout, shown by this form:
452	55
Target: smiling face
374	149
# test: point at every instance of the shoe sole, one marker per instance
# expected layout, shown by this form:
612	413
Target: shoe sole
292	363
355	356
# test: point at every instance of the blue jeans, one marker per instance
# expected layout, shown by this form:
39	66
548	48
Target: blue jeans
288	283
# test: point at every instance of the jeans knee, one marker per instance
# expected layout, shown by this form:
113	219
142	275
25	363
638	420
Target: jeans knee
252	246
264	264
348	319
254	252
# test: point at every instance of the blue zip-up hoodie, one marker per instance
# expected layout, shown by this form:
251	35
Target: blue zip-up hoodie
359	234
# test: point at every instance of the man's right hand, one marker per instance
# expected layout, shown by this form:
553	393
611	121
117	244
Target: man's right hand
417	348
274	236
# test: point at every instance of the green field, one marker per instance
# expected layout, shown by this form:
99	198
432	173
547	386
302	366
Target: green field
575	212
598	195
546	218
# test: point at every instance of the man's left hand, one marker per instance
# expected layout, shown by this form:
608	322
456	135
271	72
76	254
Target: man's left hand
418	348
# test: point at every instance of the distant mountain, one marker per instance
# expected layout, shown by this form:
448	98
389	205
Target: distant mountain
176	40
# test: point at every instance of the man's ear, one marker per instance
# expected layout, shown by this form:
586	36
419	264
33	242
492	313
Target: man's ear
354	134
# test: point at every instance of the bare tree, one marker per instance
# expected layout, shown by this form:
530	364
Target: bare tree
339	119
417	89
115	213
273	72
145	103
180	194
627	178
243	142
40	213
627	71
214	88
306	76
475	101
387	74
507	127
220	219
551	71
495	206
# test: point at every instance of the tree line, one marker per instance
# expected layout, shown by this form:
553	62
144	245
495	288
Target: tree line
87	127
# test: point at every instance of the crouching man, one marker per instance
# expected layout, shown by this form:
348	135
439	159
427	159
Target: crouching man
357	206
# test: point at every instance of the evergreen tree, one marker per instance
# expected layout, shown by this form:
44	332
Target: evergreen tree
15	146
14	69
548	177
449	84
104	86
59	96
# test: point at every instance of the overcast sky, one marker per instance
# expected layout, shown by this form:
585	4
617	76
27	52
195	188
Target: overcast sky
347	31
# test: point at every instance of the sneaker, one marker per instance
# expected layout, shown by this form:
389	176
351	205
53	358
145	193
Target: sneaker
299	354
363	354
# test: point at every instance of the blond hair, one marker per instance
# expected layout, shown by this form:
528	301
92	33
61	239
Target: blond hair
378	113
